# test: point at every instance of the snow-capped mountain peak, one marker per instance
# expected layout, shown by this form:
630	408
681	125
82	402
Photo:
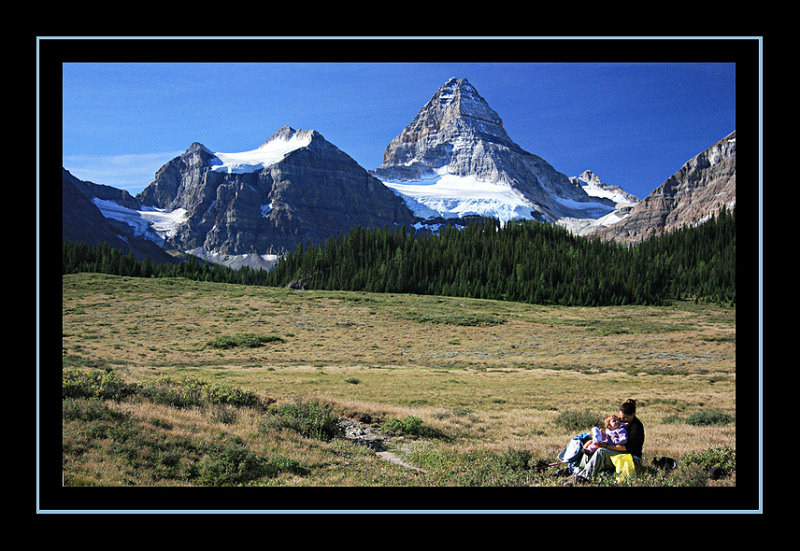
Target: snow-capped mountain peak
456	159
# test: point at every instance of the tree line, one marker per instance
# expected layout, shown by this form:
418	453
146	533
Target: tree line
101	258
526	261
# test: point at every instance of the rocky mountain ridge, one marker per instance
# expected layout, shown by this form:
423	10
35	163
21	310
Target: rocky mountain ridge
453	163
83	221
246	208
697	191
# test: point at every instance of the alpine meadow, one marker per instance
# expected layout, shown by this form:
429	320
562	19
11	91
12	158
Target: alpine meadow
195	374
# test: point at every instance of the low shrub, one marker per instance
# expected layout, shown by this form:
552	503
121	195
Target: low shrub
224	415
476	468
724	457
96	383
412	426
709	417
466	319
188	392
245	340
310	419
87	409
518	460
179	393
579	421
230	462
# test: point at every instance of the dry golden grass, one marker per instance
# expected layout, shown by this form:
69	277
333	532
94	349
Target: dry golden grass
491	386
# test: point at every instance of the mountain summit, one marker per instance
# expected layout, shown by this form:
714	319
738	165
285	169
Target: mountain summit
455	159
455	117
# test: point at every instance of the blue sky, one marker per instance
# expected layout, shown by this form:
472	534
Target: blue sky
633	124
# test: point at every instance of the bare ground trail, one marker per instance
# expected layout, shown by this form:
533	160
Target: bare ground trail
371	437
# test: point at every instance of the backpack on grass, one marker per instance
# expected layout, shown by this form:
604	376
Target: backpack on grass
573	452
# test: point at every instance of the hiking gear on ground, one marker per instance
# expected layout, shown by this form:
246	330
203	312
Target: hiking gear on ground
572	453
716	473
548	465
624	465
665	463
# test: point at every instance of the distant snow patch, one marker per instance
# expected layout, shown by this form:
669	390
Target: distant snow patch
596	208
268	154
236	261
150	223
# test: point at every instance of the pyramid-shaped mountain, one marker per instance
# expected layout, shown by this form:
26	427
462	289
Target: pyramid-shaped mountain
455	159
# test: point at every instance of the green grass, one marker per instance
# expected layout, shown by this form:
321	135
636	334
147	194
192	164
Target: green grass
467	319
242	341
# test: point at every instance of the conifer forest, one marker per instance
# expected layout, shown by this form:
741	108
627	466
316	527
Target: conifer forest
532	262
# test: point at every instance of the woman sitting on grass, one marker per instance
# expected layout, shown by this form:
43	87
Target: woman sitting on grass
590	465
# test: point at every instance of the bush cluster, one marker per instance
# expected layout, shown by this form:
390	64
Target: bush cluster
96	383
724	457
466	319
307	418
245	340
188	392
579	421
704	418
411	426
230	462
227	461
180	393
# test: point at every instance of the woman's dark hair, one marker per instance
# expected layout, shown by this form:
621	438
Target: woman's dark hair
628	407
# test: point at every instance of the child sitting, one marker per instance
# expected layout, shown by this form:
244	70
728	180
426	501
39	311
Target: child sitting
615	433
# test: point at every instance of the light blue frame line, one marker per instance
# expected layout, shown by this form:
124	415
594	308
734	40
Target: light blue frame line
760	41
760	274
38	309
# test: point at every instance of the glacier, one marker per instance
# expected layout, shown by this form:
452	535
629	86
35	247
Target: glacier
448	195
150	223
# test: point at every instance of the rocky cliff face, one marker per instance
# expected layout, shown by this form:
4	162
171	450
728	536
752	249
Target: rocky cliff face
699	190
82	220
456	134
296	187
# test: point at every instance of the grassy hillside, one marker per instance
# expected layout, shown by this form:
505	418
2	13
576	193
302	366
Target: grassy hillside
183	383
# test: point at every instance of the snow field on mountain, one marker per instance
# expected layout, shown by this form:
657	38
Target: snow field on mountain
451	196
595	191
151	223
256	159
